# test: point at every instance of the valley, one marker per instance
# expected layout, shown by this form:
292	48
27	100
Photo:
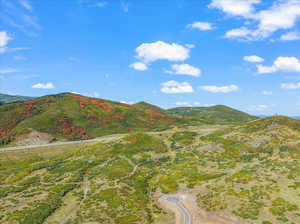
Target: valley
230	173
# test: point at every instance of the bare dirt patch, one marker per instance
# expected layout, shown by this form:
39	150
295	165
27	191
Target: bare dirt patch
33	138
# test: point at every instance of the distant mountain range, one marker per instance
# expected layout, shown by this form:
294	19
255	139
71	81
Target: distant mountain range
71	116
4	98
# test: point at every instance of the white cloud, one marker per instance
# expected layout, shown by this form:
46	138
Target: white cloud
267	93
149	52
253	59
290	36
187	104
4	39
258	108
220	89
281	15
239	33
286	64
48	85
8	70
127	102
201	26
173	87
185	69
140	66
261	69
235	7
290	85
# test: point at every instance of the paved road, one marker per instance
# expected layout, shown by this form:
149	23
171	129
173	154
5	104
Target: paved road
101	139
183	211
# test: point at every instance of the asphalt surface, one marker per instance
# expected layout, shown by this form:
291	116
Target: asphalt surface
101	139
183	211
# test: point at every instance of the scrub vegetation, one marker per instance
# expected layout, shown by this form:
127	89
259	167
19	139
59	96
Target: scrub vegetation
252	174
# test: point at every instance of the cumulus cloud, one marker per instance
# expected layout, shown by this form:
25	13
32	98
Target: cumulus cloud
127	102
267	93
290	85
184	69
4	39
48	85
281	15
253	59
150	52
286	64
290	36
187	104
140	66
238	33
235	7
203	26
173	87
220	89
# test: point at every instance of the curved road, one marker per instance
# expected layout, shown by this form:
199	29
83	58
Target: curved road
182	210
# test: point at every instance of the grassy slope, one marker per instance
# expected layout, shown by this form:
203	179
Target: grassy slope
259	183
217	113
71	116
4	98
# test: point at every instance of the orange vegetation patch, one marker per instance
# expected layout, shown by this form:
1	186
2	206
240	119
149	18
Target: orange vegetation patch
101	103
71	131
28	109
82	105
154	114
4	133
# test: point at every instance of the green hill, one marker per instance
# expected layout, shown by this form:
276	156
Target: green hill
4	98
218	113
271	123
72	116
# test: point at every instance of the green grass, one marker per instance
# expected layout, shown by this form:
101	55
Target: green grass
243	180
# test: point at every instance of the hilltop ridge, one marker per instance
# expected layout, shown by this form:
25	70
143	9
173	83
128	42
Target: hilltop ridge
220	113
72	116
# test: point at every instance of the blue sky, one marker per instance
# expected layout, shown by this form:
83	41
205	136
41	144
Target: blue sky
241	53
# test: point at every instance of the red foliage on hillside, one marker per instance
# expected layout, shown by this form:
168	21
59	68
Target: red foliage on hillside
154	114
82	105
28	109
101	103
71	131
4	133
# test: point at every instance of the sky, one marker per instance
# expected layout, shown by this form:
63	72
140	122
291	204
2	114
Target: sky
240	53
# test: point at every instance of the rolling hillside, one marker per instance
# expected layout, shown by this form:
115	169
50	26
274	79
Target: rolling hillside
71	116
247	174
4	98
218	113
